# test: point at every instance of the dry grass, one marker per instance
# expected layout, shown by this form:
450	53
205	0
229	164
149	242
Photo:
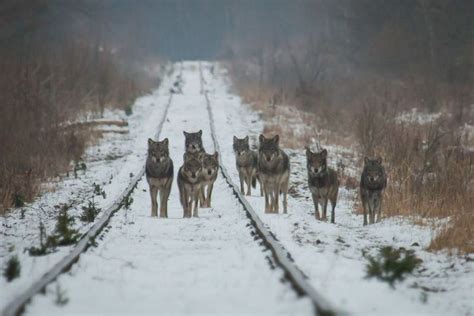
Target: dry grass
39	93
430	170
459	234
431	173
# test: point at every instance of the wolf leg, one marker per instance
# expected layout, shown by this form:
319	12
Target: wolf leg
154	202
276	206
333	211
185	203
267	201
196	205
202	196
249	184
379	209
209	194
164	202
371	211
241	177
316	205
325	207
285	197
365	207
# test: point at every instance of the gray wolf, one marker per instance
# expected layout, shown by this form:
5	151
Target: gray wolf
322	182
159	175
246	162
193	142
274	171
210	167
372	185
189	184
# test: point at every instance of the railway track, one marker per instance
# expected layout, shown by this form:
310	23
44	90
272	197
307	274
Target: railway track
17	306
281	256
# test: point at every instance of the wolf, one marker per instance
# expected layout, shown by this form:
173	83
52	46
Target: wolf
193	142
322	182
274	171
159	175
372	185
246	162
189	184
210	167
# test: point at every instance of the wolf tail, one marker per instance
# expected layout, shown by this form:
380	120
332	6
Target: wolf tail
254	182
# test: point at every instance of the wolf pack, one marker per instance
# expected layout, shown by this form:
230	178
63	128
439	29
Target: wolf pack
268	165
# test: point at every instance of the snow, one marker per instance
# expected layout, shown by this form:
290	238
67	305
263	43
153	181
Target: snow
414	116
212	264
110	164
200	265
331	255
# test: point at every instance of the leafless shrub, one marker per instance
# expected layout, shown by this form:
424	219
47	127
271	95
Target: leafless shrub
39	93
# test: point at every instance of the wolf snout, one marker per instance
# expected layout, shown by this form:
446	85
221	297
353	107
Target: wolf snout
209	172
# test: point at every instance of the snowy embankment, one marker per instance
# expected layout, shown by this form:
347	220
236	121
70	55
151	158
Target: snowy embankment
110	164
145	265
331	255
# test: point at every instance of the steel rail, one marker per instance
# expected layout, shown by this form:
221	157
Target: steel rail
17	305
281	256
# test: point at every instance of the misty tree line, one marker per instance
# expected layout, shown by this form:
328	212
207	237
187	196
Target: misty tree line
308	43
58	59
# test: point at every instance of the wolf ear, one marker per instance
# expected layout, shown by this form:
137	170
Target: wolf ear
261	138
324	153
200	132
308	152
366	160
150	141
246	139
185	134
165	142
379	160
276	139
216	155
235	139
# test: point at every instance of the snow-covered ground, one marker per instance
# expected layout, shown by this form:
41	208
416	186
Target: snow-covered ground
212	264
331	255
110	163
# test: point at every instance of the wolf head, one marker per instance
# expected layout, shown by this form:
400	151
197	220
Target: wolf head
192	168
210	163
193	142
195	155
374	172
316	162
269	148
241	146
158	151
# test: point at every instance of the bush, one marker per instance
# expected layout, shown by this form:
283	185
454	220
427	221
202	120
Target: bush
40	94
12	269
391	264
89	212
99	191
45	247
64	234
